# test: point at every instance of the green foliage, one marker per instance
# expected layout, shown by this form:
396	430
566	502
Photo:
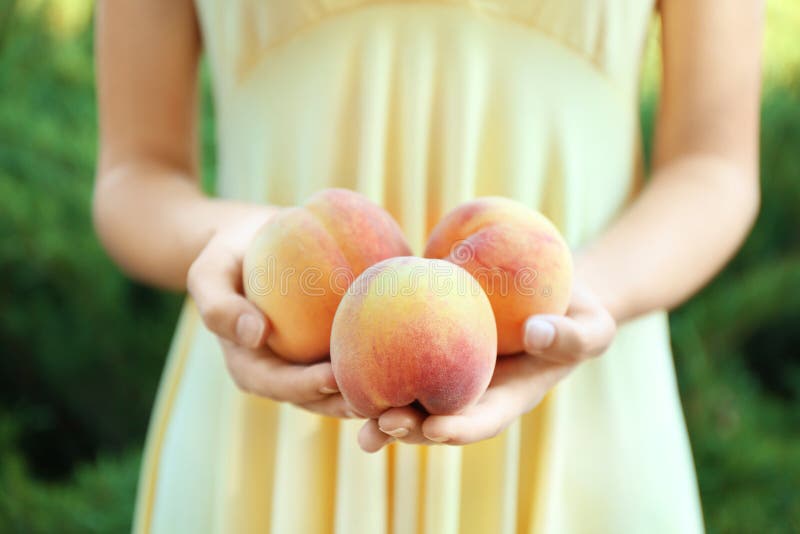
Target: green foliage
97	498
736	348
82	346
73	329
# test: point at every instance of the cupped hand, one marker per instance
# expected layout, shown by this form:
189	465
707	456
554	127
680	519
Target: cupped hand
554	346
215	283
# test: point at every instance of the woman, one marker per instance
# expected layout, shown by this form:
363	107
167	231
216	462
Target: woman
421	106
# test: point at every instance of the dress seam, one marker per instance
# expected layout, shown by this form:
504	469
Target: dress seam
564	43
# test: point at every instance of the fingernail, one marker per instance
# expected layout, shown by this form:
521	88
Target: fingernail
249	329
350	414
327	390
441	439
397	432
539	334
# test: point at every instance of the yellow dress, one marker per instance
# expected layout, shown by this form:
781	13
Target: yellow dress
421	106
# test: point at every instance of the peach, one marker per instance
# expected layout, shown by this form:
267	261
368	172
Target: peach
516	254
301	262
413	331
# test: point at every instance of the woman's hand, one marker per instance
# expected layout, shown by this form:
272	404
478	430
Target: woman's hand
215	283
554	346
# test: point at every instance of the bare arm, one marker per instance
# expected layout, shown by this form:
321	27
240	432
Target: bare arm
704	194
149	210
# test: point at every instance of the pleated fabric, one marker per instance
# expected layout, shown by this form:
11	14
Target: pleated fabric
421	106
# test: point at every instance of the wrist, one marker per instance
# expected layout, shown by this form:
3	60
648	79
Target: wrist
597	276
236	221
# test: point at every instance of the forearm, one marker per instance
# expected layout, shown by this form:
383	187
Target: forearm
154	221
682	229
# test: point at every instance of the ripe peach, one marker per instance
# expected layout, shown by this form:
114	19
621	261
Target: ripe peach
302	261
413	330
516	254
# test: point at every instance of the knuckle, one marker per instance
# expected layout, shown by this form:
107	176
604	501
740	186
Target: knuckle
497	430
191	279
571	358
242	384
581	342
242	379
233	370
315	378
193	276
595	353
342	412
497	426
612	326
582	346
214	315
604	341
286	391
228	261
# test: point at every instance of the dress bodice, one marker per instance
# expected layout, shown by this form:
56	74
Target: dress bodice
421	105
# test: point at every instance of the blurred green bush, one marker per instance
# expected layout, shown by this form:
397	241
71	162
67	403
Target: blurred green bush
83	347
737	349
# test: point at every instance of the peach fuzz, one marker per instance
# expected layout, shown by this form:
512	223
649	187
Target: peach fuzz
301	262
516	254
413	331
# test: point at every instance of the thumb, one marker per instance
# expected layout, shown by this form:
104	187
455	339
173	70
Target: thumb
213	282
568	339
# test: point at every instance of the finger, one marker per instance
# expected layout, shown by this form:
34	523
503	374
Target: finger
484	420
332	406
518	385
569	338
262	373
404	423
214	281
370	437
